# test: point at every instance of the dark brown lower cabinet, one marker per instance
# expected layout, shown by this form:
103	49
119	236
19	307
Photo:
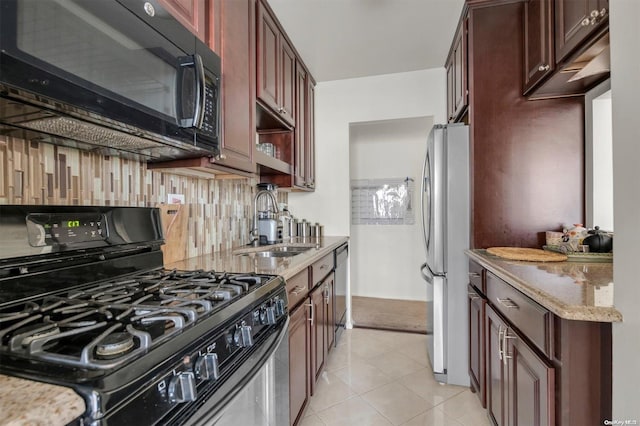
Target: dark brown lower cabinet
299	371
318	326
537	368
521	384
477	305
329	326
311	331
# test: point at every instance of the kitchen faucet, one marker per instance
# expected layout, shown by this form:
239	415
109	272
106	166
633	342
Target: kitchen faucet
255	233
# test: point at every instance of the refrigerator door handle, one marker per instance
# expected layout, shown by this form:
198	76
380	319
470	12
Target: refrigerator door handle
428	277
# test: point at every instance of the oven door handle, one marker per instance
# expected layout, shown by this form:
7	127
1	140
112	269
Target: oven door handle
214	408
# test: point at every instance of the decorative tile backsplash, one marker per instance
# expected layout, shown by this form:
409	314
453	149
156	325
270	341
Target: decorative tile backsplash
220	211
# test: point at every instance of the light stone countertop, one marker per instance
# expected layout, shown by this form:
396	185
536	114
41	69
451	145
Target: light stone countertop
571	290
287	267
29	403
32	403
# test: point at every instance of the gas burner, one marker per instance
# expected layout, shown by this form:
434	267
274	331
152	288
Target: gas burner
114	345
27	334
22	312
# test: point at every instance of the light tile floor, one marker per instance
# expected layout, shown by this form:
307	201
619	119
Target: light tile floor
379	377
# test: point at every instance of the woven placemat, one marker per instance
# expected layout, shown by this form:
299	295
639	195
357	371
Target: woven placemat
528	254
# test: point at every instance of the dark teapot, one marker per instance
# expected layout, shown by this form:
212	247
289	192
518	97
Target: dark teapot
598	241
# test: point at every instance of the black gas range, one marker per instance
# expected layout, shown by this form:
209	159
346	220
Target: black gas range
86	303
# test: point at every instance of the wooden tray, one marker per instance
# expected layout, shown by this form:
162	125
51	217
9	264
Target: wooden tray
527	254
582	257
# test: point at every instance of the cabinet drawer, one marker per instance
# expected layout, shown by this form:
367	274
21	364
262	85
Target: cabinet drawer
321	269
297	288
476	276
530	318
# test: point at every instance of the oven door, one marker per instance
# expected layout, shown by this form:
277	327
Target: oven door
257	393
101	57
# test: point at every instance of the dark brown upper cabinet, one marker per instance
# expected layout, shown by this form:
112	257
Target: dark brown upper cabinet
456	66
560	38
276	62
300	165
538	42
237	50
576	21
310	142
190	13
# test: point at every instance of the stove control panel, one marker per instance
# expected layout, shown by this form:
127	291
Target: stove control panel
209	366
65	228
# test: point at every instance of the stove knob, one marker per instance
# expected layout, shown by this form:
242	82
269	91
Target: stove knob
182	387
207	368
242	336
271	315
247	338
279	307
263	315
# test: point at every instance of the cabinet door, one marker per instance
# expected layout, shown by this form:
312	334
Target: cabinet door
318	349
299	344
496	370
531	384
476	343
575	21
300	161
456	66
538	42
460	72
237	40
288	82
450	89
268	54
329	300
191	13
310	140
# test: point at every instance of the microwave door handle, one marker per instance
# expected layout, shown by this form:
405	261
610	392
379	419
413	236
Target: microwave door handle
194	62
198	112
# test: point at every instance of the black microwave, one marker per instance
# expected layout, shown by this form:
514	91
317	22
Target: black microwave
109	76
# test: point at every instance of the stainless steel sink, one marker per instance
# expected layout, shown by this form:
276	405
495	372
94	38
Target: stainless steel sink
282	251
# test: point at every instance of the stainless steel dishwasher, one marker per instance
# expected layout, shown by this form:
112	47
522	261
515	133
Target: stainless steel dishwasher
341	278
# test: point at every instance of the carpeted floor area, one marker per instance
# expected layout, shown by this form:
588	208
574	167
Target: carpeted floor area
389	314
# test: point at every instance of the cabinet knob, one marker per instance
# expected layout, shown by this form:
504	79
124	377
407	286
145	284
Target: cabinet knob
544	67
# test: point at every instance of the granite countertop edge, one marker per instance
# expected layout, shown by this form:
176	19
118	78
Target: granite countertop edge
33	403
558	307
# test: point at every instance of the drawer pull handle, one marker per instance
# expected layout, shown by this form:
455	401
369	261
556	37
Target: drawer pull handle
508	303
474	275
297	290
500	341
473	296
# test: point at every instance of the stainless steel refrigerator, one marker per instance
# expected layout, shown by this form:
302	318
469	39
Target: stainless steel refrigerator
445	224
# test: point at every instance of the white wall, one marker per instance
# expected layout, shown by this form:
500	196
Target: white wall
382	150
599	157
625	92
343	102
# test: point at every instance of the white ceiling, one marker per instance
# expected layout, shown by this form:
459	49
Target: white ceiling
341	39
